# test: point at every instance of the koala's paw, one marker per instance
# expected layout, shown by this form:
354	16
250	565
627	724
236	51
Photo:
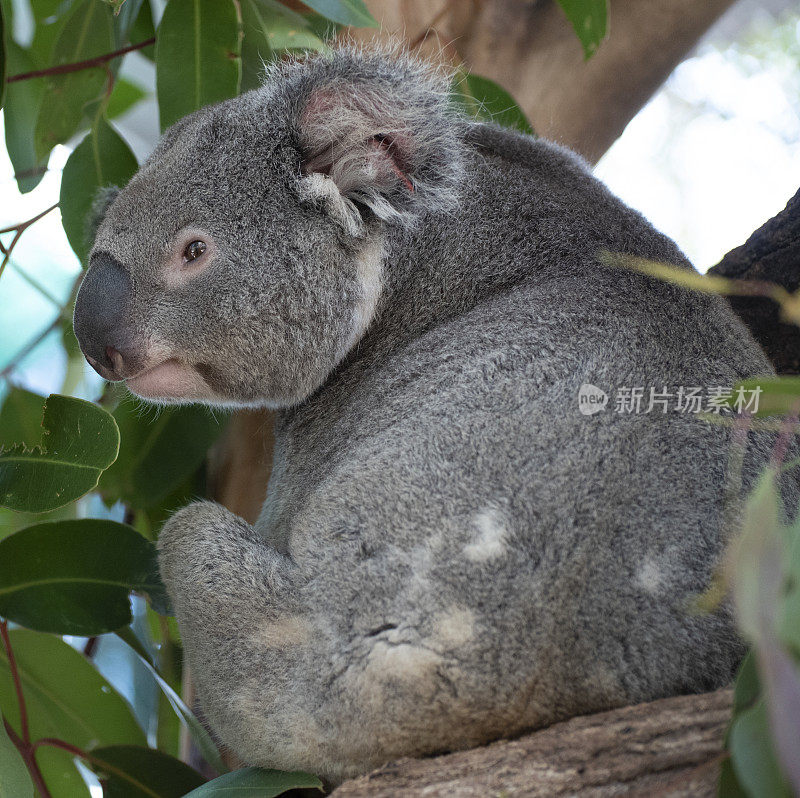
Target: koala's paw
200	545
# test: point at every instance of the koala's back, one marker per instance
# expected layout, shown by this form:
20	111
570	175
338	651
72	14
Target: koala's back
468	538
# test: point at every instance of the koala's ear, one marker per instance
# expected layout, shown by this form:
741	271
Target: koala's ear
100	205
386	139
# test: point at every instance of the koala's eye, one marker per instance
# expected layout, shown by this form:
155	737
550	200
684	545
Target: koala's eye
194	250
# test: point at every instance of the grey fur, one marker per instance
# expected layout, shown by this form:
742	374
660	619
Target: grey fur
448	552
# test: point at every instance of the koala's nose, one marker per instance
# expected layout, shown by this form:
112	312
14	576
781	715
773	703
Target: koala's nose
101	311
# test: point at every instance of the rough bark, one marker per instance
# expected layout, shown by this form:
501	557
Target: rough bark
771	254
671	747
529	48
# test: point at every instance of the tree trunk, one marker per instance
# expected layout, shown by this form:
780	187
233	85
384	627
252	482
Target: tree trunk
771	254
668	747
529	48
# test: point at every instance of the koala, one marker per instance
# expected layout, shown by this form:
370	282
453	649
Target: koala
449	551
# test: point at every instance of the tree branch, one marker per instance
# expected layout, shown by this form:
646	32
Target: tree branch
77	66
668	747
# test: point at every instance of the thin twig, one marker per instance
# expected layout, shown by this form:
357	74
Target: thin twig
77	66
18	230
28	222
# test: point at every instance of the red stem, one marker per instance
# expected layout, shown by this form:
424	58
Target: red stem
54	742
12	666
28	755
77	66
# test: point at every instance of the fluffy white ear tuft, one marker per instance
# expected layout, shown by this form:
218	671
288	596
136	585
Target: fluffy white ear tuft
381	129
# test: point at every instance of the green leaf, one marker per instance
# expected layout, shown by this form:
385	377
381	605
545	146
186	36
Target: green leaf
130	771
485	100
20	416
728	785
201	737
101	159
3	36
778	396
74	577
143	29
747	688
87	33
288	30
753	756
125	17
15	781
789	610
123	98
65	695
345	12
589	18
197	56
22	103
49	17
256	49
80	440
255	783
157	455
754	557
60	774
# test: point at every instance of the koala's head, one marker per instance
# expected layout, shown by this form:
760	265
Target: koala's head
245	258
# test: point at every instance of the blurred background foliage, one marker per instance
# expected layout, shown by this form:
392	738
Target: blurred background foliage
90	661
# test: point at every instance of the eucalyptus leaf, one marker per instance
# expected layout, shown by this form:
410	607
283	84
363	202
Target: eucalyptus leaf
87	33
125	95
201	737
143	29
130	771
255	783
589	19
49	17
777	396
124	20
485	100
64	694
256	49
3	72
63	779
197	56
747	688
753	756
781	680
74	577
101	159
22	102
15	781
728	785
157	454
20	416
80	440
345	12
754	562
